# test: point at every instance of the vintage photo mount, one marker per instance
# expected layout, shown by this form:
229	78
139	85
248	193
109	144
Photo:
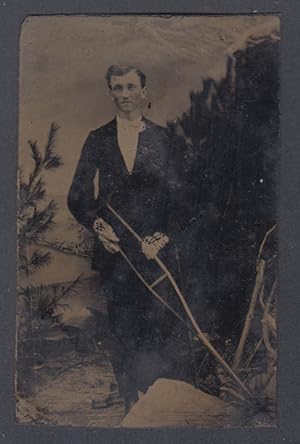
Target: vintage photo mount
12	16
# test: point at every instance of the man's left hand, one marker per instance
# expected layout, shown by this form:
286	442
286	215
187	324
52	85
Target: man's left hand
151	245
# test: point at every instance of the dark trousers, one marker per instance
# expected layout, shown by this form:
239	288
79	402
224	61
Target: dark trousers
141	331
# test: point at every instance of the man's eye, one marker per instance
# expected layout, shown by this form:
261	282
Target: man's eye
131	87
117	88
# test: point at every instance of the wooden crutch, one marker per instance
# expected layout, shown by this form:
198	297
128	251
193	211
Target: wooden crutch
167	275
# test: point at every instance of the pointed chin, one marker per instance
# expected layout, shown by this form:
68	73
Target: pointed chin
127	106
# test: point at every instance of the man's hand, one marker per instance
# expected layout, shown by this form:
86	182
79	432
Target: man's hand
106	235
151	245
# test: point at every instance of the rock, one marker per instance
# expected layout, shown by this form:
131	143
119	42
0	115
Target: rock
169	402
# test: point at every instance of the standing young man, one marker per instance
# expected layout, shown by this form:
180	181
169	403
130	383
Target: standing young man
137	177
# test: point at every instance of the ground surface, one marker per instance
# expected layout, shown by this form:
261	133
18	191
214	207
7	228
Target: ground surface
83	392
73	383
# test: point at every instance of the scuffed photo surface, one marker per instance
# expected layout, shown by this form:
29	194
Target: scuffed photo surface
94	346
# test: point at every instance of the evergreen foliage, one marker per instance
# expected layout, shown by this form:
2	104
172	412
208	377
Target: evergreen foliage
47	299
229	145
35	217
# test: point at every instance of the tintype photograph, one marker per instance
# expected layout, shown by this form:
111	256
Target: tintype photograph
147	221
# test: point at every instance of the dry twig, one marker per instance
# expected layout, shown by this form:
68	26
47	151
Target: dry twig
249	317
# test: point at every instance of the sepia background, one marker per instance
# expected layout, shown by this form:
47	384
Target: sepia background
63	60
62	78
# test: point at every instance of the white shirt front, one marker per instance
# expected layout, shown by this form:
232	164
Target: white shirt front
128	135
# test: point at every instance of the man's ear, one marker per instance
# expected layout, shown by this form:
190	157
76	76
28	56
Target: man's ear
144	92
110	94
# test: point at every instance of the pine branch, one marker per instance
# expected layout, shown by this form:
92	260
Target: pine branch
25	189
26	193
49	161
38	192
38	160
48	299
54	162
35	153
38	223
32	192
71	289
50	146
22	197
29	197
37	261
44	306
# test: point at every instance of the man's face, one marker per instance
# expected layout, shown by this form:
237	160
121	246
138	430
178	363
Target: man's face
127	92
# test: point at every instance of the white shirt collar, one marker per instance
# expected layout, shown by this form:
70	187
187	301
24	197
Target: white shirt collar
136	124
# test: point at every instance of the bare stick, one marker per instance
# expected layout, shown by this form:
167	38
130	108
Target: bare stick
62	247
257	291
264	241
249	317
268	324
150	288
270	298
270	350
232	392
261	296
123	221
199	332
264	307
249	360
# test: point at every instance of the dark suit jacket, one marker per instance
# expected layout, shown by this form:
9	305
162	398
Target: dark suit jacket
145	198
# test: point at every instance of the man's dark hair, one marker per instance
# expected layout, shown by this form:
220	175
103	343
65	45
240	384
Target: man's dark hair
121	70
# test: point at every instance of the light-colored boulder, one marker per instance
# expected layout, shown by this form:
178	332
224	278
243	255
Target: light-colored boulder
169	402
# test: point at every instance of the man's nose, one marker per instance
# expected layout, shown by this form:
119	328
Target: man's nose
125	92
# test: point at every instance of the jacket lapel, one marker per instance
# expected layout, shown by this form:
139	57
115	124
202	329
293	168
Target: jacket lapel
118	159
118	164
144	148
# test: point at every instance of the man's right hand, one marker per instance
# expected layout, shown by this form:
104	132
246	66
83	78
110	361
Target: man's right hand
106	235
